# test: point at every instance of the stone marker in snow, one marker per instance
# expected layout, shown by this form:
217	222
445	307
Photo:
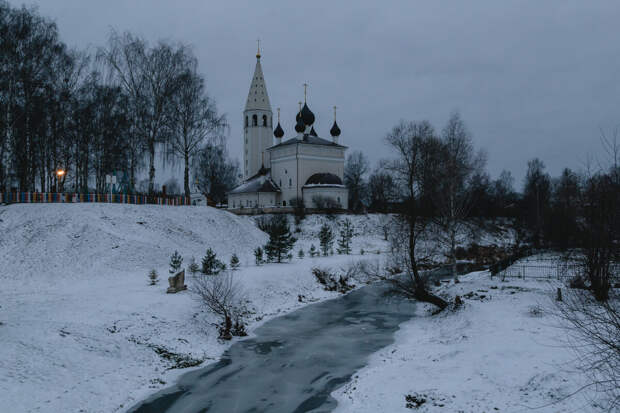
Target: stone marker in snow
177	283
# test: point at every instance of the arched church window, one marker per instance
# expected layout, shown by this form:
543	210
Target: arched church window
254	120
246	121
290	182
265	120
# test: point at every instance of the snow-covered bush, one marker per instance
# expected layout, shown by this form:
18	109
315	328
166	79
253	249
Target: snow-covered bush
334	281
222	296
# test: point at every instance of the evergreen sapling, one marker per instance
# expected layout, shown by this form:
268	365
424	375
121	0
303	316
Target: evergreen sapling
326	239
281	240
346	235
234	262
175	263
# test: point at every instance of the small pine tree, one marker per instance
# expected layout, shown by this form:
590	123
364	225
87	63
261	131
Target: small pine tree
193	267
312	250
210	264
281	240
326	239
258	256
234	262
301	254
175	263
153	277
346	235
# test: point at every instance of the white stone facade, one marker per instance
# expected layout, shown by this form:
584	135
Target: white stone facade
304	167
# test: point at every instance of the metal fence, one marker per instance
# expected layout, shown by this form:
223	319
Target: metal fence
49	197
558	271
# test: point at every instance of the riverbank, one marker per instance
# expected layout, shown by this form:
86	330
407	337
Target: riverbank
503	351
81	329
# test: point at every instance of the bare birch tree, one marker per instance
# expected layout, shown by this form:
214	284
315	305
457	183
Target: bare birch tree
453	198
414	169
195	121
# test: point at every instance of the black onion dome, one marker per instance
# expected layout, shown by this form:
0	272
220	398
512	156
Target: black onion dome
324	179
278	133
313	132
335	130
306	115
300	127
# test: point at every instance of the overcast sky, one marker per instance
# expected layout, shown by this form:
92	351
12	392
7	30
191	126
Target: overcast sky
530	78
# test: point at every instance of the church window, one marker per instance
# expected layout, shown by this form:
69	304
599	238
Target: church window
254	120
283	203
280	183
246	121
265	120
290	182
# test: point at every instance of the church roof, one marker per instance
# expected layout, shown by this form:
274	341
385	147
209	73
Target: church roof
308	140
258	183
257	97
323	179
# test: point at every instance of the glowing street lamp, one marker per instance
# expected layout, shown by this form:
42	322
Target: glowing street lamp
60	174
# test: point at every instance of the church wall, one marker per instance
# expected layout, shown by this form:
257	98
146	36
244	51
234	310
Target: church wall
252	200
284	174
339	194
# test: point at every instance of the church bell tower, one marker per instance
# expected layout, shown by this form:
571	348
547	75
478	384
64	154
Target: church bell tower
258	124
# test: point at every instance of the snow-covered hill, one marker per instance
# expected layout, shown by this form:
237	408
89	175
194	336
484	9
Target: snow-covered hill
81	329
74	240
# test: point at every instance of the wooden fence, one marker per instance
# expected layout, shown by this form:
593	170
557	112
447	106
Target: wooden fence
51	197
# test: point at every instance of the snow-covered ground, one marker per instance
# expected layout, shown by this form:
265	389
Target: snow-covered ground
502	351
81	328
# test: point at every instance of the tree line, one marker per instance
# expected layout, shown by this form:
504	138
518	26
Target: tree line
112	111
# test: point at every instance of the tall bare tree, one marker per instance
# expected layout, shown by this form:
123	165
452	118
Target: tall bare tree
195	121
354	172
454	199
418	151
149	76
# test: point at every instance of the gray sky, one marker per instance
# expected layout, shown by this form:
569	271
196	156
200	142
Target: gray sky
530	78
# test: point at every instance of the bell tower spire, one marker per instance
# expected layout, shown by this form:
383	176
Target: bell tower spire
258	124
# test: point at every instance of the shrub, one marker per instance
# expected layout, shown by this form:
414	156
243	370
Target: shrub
300	254
313	250
234	262
193	267
258	256
153	277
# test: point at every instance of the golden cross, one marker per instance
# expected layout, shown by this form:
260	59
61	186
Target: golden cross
305	91
257	47
335	113
278	115
299	107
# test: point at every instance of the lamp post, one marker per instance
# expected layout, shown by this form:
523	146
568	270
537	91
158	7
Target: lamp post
60	175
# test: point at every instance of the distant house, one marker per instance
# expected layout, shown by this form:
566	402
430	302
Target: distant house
304	167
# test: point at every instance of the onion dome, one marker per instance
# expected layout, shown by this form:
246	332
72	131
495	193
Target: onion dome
312	132
335	130
306	115
278	133
300	127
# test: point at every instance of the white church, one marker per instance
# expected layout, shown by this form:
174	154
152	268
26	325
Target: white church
304	168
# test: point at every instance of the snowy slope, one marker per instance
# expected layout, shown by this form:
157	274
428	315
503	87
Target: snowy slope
503	351
80	326
69	240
